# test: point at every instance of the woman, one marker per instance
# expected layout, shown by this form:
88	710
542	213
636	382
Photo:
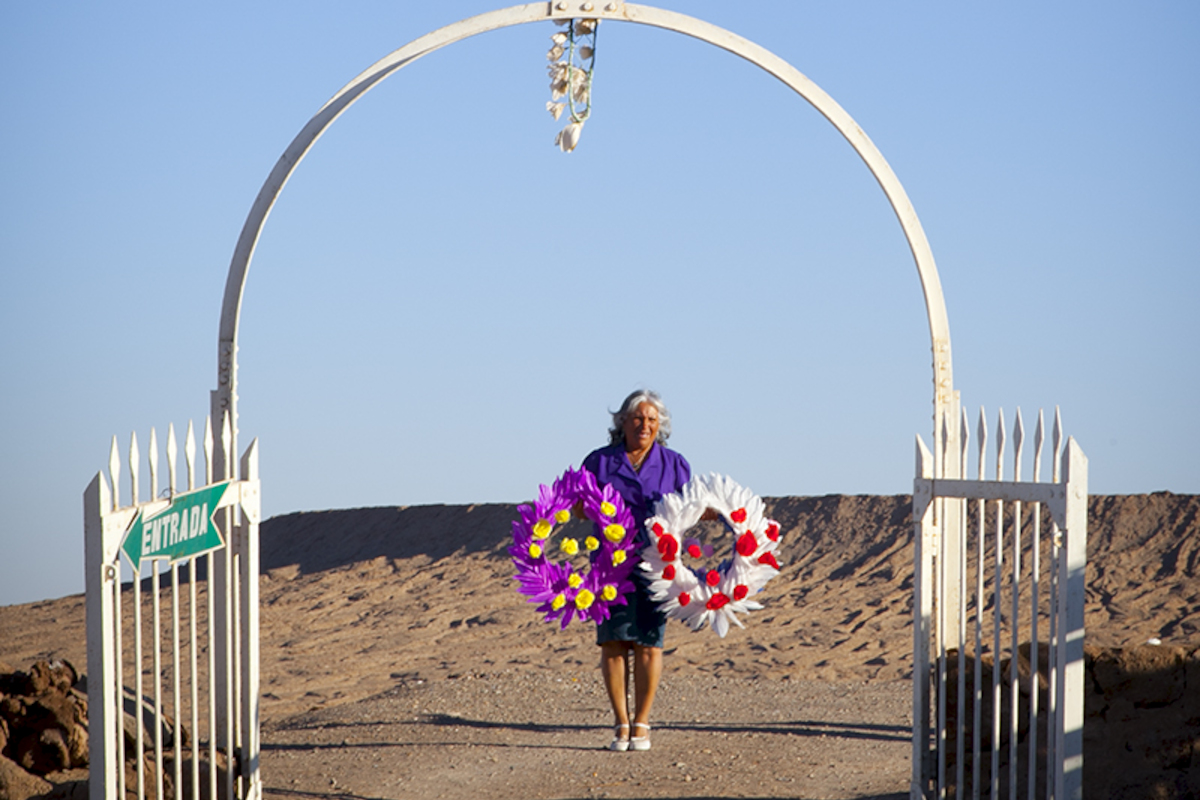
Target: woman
638	465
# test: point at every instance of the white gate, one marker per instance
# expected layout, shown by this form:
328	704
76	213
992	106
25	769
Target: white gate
997	712
211	677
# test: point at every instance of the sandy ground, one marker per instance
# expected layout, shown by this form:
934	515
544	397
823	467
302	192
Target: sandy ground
399	661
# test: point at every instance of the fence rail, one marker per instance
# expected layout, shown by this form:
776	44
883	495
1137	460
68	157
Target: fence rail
204	533
997	711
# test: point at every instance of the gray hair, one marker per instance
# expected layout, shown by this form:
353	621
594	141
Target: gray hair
616	434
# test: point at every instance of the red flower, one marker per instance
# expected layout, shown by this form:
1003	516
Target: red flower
712	578
747	544
684	598
738	516
740	591
669	572
694	550
658	529
768	558
716	601
773	532
668	547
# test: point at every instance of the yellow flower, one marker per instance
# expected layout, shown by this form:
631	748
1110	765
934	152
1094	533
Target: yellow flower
535	551
618	557
591	543
608	509
570	546
558	602
614	533
609	592
574	580
542	528
584	599
562	516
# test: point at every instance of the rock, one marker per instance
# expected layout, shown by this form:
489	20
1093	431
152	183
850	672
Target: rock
44	751
1149	676
1142	719
46	731
147	715
169	770
39	679
12	710
17	784
71	784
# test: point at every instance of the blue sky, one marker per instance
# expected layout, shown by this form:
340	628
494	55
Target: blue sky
443	307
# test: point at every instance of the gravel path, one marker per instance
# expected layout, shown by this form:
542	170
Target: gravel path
534	734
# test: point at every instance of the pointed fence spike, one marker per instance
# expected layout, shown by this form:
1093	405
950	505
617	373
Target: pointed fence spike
1018	444
1039	438
208	450
1057	444
114	472
965	435
152	461
1000	440
189	450
172	453
982	431
924	459
134	464
250	462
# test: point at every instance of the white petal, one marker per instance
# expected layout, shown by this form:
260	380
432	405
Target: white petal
585	52
559	38
555	109
569	137
581	89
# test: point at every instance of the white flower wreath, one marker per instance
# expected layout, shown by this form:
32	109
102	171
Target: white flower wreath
710	596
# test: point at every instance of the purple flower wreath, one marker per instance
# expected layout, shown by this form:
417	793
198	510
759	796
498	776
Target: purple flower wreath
562	590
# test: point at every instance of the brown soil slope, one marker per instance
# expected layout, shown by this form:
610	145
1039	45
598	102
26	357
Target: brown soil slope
425	590
367	603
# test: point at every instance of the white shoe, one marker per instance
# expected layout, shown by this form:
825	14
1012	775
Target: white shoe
640	742
620	744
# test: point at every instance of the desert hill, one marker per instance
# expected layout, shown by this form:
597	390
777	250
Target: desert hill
359	605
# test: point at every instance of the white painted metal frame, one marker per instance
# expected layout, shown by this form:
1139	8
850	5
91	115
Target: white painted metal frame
941	616
945	399
109	667
224	398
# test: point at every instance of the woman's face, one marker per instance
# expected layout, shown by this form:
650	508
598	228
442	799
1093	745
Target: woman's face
640	427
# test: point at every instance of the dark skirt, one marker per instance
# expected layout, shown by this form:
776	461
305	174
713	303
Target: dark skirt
638	621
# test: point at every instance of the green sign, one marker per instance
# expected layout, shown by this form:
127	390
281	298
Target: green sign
183	529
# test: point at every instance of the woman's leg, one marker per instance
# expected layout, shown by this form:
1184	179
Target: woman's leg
647	669
612	667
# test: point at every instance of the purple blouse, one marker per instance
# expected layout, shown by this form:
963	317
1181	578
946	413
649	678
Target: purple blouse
663	471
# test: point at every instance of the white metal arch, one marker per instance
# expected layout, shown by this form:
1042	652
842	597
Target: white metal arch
224	398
